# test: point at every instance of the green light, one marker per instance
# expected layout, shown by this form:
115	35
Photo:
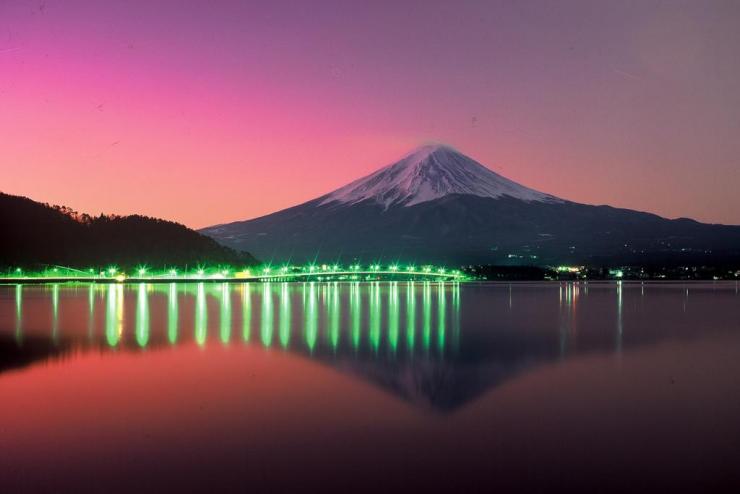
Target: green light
19	314
427	322
225	316
246	312
172	314
55	313
311	317
266	327
393	316
284	330
334	318
355	309
114	315
441	316
142	316
375	310
142	272
410	316
201	315
456	316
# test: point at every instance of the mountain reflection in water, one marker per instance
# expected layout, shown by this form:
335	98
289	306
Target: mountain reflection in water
436	345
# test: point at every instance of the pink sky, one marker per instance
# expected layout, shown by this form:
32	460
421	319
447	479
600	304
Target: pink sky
218	111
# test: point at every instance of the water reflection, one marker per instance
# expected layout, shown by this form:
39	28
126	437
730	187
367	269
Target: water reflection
410	338
142	316
173	315
225	318
284	315
201	315
19	314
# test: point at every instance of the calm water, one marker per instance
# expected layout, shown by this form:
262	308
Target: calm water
368	387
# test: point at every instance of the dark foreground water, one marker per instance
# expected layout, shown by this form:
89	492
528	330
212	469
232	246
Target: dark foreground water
369	387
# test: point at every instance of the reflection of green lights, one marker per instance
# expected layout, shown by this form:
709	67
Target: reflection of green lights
142	316
90	310
55	313
246	312
441	315
355	310
375	316
201	315
284	315
172	313
410	316
427	322
19	314
225	317
456	316
393	316
266	327
114	315
335	315
334	318
311	323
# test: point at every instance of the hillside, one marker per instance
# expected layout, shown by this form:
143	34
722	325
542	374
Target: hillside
36	234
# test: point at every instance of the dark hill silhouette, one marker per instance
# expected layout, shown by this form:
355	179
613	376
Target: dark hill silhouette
35	234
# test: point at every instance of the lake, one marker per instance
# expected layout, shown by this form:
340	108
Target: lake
369	387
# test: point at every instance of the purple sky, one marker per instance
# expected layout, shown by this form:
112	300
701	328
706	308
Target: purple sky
206	112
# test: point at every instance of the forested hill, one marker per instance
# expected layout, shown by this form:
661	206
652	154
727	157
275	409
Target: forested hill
34	234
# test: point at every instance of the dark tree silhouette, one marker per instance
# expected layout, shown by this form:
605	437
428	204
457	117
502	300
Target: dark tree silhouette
34	234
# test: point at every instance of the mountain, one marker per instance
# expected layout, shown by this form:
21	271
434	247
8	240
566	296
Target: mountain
429	173
36	234
438	205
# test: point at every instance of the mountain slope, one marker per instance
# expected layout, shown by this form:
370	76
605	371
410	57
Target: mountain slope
437	205
428	173
36	233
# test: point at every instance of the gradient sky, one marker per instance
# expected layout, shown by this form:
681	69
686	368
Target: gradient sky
206	112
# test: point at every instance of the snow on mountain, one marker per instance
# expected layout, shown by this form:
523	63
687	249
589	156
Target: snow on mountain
428	173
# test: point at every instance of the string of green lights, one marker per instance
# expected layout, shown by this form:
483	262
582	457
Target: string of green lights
354	272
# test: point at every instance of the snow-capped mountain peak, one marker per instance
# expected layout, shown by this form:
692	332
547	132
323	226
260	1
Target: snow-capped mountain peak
428	173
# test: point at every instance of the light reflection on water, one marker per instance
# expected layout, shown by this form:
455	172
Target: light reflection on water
454	341
314	381
343	313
